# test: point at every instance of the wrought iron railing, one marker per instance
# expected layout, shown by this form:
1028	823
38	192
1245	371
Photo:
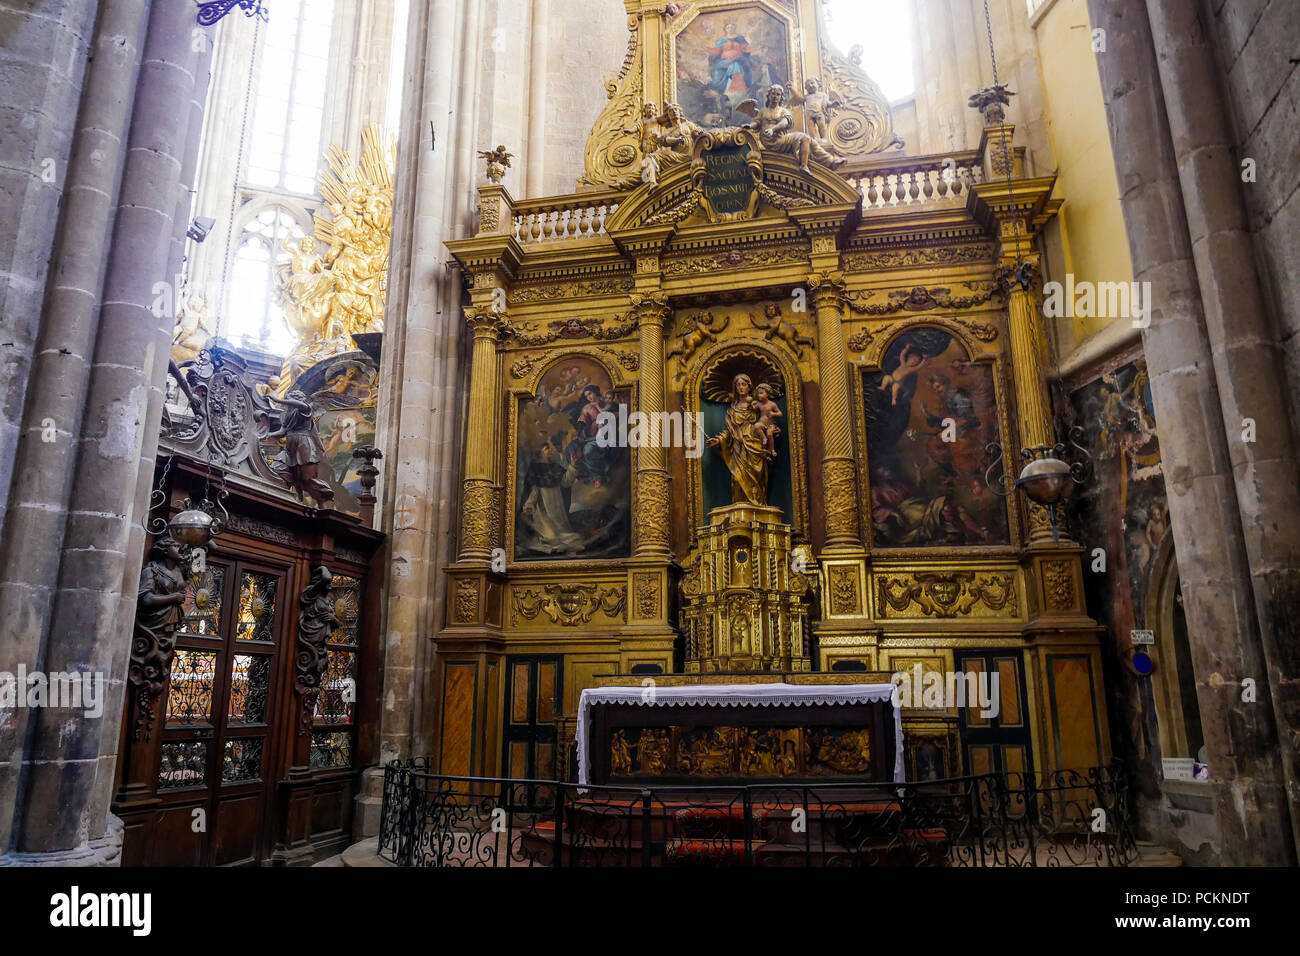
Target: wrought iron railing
1063	818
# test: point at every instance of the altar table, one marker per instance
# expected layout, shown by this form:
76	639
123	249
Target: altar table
655	697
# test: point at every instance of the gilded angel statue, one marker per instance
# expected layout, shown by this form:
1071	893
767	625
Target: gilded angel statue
192	330
818	107
308	290
775	125
498	161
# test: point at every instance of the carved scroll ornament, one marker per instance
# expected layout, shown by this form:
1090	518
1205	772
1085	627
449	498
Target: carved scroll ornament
317	620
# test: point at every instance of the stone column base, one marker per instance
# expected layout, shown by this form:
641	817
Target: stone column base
104	851
368	804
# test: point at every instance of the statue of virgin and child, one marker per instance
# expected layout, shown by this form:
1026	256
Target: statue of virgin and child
748	441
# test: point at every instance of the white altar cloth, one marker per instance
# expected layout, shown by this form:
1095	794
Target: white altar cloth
733	695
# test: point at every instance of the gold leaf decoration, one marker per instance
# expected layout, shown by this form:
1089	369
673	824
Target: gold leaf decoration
613	146
864	124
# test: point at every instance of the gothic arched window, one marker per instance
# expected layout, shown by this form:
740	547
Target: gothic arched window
288	117
253	315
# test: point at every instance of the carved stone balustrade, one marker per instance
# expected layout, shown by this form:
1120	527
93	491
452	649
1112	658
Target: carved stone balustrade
565	218
890	182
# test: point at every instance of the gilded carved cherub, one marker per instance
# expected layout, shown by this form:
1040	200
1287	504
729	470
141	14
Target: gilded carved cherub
768	412
776	327
696	330
818	106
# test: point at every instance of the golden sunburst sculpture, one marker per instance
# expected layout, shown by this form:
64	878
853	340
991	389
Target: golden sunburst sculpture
719	381
335	283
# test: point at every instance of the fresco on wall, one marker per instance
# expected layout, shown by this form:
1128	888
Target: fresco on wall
926	490
572	497
728	57
1119	423
1124	512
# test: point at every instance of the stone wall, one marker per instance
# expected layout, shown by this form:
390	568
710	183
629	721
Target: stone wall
1218	362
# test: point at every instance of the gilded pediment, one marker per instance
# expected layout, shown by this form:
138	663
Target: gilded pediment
771	185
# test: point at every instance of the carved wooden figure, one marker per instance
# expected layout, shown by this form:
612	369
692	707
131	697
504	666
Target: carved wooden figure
157	615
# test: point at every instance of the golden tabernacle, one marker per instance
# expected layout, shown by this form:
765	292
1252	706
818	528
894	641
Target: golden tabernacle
731	407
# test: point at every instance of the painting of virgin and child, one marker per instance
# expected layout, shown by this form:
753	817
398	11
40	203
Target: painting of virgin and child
572	496
930	414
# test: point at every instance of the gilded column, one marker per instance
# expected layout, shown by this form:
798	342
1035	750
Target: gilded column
1028	361
652	534
1029	373
839	471
1019	207
479	500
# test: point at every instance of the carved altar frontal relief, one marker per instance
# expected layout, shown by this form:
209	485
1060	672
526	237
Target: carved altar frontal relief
930	413
572	496
704	751
726	57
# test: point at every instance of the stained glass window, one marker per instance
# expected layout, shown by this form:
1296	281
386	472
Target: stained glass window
288	117
254	315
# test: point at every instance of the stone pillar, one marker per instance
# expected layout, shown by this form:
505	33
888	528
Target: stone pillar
70	765
1248	356
1241	738
479	504
653	517
44	54
43	469
422	394
839	467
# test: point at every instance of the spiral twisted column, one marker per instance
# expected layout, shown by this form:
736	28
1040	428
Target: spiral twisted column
839	471
1029	373
652	536
479	504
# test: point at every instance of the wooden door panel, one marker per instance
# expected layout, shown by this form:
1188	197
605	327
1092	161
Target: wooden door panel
237	830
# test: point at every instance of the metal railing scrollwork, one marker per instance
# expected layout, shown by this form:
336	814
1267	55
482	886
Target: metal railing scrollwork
1056	819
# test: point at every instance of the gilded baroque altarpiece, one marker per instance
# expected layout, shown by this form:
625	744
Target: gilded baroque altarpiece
847	325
